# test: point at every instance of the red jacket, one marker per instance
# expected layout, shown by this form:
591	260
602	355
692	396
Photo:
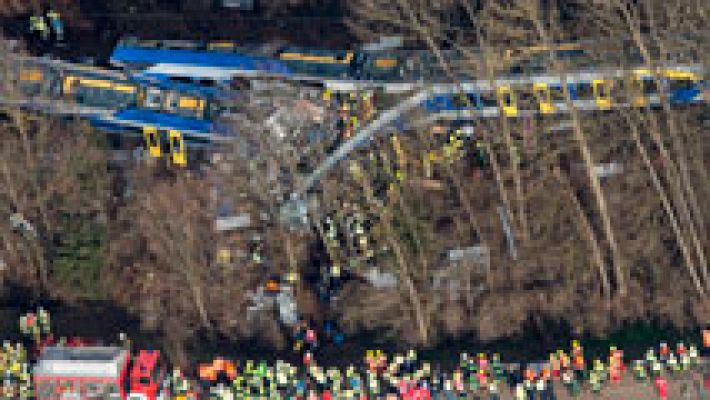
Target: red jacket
662	387
417	394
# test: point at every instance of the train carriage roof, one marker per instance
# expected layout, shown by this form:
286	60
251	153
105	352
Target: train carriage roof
123	56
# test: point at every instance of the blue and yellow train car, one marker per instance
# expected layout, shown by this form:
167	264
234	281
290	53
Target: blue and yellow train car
141	55
588	91
325	63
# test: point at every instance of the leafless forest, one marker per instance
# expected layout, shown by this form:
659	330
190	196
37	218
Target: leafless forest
594	251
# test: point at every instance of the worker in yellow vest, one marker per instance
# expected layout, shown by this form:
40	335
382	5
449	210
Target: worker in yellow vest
39	27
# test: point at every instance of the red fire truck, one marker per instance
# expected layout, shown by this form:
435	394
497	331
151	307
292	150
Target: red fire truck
88	373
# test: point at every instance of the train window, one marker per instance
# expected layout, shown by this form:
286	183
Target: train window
239	84
153	98
681	84
177	148
191	106
557	94
602	89
649	86
584	91
207	82
164	143
124	88
175	143
180	79
460	100
506	98
227	47
622	90
31	75
526	99
385	63
488	99
171	101
152	141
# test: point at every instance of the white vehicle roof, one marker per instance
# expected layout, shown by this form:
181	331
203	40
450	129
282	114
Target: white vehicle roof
85	362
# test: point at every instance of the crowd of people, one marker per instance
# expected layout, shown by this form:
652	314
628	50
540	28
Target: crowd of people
402	375
15	370
480	376
46	27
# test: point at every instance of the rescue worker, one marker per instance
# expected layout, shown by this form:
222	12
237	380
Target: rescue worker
39	28
55	21
685	361
125	342
529	383
520	393
540	387
662	387
367	107
493	390
573	387
595	383
400	158
43	320
656	368
578	365
497	367
664	352
673	364
600	370
693	356
640	371
555	365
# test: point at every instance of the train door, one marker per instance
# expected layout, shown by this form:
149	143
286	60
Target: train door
602	93
68	85
544	99
177	148
152	141
153	98
526	99
507	101
171	102
637	90
682	86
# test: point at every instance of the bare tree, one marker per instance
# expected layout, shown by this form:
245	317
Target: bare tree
53	176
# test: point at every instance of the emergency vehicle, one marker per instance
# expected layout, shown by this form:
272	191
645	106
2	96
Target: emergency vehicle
99	373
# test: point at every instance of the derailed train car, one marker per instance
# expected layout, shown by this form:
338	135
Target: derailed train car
587	90
167	115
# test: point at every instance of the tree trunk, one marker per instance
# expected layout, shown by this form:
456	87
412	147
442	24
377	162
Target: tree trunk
687	257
